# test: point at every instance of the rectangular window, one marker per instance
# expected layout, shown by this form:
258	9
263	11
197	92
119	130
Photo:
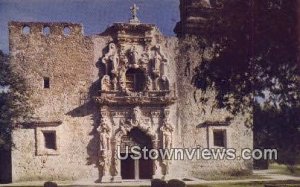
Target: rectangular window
50	140
219	138
46	82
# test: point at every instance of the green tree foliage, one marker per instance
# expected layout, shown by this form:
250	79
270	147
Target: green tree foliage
278	129
254	51
254	45
14	106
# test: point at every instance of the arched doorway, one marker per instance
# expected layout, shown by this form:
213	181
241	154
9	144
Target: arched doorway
141	168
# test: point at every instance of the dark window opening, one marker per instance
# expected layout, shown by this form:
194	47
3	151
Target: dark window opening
135	80
219	138
46	82
50	140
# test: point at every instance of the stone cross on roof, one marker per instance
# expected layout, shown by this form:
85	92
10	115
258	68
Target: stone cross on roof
134	18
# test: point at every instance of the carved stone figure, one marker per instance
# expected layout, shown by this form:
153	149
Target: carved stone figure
104	163
133	56
112	57
145	59
115	83
105	83
123	57
149	85
136	116
158	59
104	133
167	130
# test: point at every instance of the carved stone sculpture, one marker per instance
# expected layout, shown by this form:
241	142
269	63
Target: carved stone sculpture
167	130
136	116
133	57
105	83
115	83
158	59
104	133
112	57
149	85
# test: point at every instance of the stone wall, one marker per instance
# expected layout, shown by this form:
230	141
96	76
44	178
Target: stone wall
68	61
198	120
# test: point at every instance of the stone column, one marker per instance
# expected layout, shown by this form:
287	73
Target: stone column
106	177
156	167
105	131
117	163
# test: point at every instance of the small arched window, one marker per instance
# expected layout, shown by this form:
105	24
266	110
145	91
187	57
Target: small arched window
26	30
135	80
46	30
67	31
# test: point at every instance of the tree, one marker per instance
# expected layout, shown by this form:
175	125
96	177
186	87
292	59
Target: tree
15	108
278	129
253	46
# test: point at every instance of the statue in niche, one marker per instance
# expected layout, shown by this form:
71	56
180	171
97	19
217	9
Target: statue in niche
136	116
123	57
112	57
133	56
145	59
167	130
149	84
104	133
158	59
162	83
105	83
115	83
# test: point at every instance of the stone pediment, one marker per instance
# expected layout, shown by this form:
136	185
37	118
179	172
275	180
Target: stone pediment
133	33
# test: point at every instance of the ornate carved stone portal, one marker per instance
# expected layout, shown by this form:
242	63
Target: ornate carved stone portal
134	94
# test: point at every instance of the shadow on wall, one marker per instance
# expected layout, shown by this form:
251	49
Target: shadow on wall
90	108
5	166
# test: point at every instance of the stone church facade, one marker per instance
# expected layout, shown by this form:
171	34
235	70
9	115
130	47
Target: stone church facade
125	86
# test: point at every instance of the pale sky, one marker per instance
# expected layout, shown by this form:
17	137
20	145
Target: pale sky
95	15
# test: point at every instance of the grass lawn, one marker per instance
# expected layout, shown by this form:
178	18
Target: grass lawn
228	177
282	169
252	184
